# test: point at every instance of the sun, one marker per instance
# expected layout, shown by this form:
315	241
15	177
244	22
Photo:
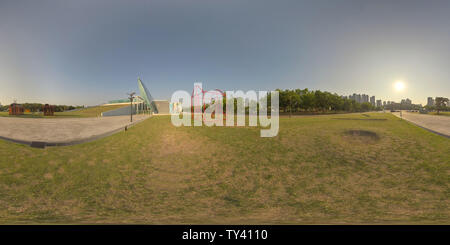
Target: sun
399	86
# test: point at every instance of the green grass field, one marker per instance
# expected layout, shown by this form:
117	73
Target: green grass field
86	112
441	113
316	171
89	112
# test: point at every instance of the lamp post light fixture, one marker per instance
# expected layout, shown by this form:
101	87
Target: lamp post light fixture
131	97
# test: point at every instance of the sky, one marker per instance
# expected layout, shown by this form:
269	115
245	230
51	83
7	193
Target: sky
89	52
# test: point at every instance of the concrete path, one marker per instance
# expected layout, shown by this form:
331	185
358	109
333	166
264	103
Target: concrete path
436	124
62	131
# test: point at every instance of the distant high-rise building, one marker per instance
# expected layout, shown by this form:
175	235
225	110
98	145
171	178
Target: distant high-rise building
379	103
384	103
372	100
430	101
408	101
365	98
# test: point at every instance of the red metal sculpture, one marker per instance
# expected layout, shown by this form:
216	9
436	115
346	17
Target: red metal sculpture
48	110
16	109
196	100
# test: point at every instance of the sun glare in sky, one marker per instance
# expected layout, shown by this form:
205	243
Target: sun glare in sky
399	86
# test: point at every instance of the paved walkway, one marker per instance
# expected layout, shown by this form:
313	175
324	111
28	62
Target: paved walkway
62	131
437	124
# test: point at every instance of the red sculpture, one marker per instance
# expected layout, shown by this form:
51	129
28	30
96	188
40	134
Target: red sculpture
16	109
196	99
48	110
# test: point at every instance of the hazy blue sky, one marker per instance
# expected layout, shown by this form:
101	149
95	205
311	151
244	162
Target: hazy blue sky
89	52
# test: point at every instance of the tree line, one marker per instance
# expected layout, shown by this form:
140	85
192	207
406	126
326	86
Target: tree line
36	107
305	100
310	101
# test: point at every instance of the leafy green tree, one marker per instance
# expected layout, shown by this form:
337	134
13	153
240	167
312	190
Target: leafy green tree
308	100
293	100
441	103
366	106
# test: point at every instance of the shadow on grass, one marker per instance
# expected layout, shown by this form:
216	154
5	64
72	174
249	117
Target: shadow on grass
362	134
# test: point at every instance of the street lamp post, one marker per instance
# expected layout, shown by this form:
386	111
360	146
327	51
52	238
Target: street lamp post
131	97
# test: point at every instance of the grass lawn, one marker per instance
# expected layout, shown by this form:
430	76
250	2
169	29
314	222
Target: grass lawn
316	171
441	113
89	112
86	112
